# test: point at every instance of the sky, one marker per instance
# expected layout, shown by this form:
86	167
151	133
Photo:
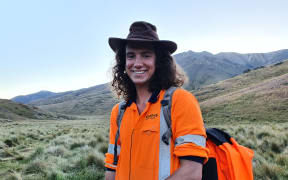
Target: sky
61	45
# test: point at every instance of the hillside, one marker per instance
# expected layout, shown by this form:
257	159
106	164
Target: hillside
10	110
204	68
25	99
258	96
96	100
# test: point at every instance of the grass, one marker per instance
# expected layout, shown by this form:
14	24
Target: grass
53	149
75	150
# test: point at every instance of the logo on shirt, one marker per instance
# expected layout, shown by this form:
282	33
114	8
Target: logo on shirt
151	116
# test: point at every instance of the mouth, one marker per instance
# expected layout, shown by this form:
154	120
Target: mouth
139	72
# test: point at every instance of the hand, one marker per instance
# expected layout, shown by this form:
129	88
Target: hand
110	175
189	170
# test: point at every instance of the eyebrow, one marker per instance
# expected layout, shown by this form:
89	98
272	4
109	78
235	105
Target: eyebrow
143	52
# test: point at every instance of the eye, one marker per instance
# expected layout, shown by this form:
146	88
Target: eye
130	56
147	55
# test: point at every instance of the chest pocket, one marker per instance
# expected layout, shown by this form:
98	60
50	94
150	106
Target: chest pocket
146	142
149	129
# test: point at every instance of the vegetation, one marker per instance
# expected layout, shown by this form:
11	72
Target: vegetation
49	150
10	110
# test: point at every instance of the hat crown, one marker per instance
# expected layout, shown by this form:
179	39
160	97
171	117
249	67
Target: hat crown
142	30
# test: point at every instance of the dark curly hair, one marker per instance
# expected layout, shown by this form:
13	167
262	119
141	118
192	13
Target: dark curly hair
166	74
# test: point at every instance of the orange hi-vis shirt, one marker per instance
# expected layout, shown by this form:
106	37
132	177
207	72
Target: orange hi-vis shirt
141	152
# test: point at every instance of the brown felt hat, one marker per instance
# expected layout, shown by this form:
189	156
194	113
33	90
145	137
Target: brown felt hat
142	31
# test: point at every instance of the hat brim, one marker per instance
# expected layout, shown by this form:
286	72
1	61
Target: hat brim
117	43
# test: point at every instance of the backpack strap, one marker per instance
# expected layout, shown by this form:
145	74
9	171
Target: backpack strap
121	110
166	108
218	136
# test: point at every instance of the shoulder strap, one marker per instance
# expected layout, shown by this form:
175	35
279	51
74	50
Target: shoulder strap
121	110
166	108
218	136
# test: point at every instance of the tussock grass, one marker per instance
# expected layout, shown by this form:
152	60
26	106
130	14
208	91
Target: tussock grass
53	158
53	150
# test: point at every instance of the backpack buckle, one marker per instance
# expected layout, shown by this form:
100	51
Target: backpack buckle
166	136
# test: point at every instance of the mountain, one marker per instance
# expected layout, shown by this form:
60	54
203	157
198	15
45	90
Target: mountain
87	101
204	68
257	96
10	110
32	97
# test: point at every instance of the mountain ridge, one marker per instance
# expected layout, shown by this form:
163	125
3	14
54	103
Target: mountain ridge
97	99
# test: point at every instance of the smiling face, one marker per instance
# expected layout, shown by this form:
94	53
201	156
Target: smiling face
140	64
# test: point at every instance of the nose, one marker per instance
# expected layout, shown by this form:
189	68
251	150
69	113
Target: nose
138	62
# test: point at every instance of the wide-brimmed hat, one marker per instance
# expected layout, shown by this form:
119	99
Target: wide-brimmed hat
142	31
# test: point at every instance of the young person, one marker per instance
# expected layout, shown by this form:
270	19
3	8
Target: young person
143	72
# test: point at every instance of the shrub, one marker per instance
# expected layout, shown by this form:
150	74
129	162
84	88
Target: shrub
57	150
103	148
90	173
77	145
38	152
92	143
95	159
36	167
263	134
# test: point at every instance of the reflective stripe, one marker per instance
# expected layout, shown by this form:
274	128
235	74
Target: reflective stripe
111	165
191	138
164	151
111	149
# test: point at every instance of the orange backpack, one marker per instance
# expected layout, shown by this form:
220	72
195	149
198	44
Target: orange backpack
227	159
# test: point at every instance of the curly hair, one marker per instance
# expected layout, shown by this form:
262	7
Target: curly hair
166	74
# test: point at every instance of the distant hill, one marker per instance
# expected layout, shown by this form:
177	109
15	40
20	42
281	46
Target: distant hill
25	99
10	110
204	68
257	96
87	101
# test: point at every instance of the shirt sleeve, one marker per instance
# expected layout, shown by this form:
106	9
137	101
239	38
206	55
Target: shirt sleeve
109	156
188	129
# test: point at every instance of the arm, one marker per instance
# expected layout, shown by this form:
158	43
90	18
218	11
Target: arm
110	175
189	170
109	156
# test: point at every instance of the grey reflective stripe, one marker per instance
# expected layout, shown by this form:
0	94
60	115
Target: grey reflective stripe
112	165
191	138
111	149
164	151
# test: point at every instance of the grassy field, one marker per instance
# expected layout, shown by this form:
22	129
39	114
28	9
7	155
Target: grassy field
74	150
53	149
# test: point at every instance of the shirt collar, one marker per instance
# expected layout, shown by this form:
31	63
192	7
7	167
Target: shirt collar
153	98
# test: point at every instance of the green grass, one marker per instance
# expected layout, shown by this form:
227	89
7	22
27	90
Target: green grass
53	149
248	108
240	82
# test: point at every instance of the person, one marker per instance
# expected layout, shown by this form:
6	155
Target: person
144	70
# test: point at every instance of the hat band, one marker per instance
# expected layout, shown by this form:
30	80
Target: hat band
148	35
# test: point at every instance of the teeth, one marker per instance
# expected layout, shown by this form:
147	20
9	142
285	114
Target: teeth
139	72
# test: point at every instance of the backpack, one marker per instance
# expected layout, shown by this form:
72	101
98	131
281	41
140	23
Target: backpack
227	159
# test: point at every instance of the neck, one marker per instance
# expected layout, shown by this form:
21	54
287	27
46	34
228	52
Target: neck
143	95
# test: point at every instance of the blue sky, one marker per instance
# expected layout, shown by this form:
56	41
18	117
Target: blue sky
61	45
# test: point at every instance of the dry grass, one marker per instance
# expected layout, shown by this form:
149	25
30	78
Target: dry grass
53	149
75	150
